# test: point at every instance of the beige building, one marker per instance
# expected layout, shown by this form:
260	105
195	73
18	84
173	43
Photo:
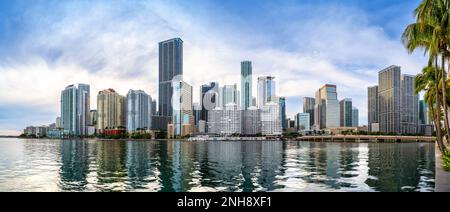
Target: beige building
111	110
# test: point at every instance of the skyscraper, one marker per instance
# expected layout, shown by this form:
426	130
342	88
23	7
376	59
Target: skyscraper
355	117
423	112
154	107
252	121
209	98
75	107
389	97
266	90
327	108
308	107
170	65
409	109
138	110
197	110
246	84
228	94
93	118
111	110
225	121
183	116
302	121
372	107
271	119
282	102
345	107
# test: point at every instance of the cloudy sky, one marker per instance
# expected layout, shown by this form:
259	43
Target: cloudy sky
47	45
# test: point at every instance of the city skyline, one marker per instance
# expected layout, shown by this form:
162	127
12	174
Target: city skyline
35	70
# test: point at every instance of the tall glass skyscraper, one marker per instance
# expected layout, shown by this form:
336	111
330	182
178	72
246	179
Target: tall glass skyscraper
228	94
282	102
138	110
266	90
75	109
355	117
345	107
308	107
389	97
170	65
246	84
327	107
372	107
209	98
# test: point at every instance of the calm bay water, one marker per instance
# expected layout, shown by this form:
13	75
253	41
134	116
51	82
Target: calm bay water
91	165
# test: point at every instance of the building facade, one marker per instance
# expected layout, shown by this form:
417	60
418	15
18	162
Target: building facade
282	102
183	116
111	110
372	107
355	117
327	108
345	107
246	84
302	121
271	119
75	108
389	97
308	107
170	65
409	109
252	121
226	121
228	94
266	90
209	98
139	109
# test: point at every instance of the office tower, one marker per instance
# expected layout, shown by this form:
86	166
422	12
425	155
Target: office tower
423	112
209	98
111	110
308	107
170	65
372	108
282	102
225	121
252	121
355	117
93	118
246	84
345	107
327	108
389	97
197	110
154	107
409	107
75	103
228	94
302	121
139	111
271	119
266	90
183	116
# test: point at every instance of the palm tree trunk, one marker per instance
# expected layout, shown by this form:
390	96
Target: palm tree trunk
438	110
444	96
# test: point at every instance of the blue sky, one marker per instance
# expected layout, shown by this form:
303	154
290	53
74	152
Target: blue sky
47	45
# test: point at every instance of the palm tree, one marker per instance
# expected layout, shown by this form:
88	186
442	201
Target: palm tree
435	13
425	34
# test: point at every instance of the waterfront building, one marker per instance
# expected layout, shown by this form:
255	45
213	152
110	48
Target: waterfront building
355	117
423	112
93	118
36	131
252	121
246	84
225	121
308	107
183	117
154	107
159	123
75	103
202	126
326	110
389	97
209	98
58	122
372	107
170	65
346	107
409	108
138	111
111	110
271	119
197	111
302	121
266	90
282	102
228	94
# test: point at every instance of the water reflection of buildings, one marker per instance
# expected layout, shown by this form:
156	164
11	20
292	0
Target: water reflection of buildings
74	165
111	165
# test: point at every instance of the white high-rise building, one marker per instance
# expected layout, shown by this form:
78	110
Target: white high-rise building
252	121
228	94
225	121
75	103
271	119
138	110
